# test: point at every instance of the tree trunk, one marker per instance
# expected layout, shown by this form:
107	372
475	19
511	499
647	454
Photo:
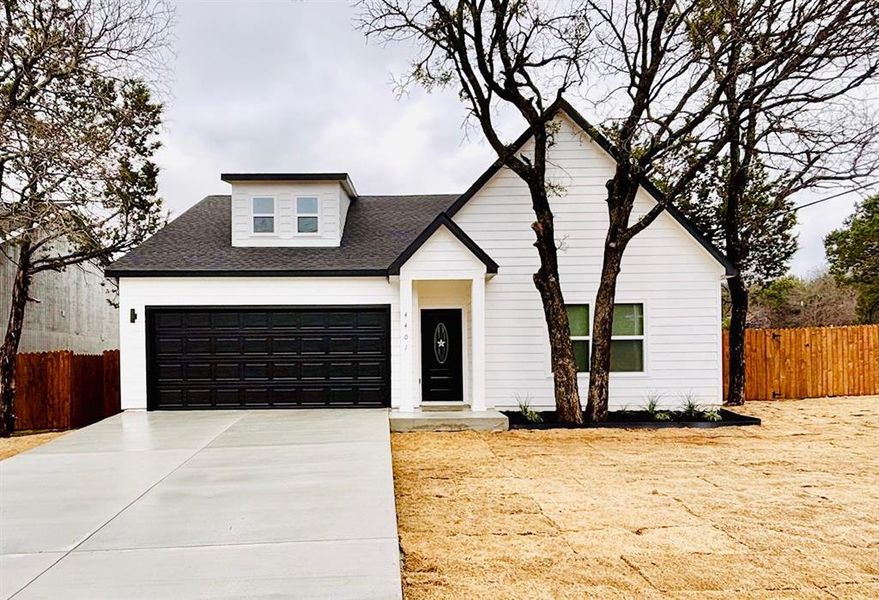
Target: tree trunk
602	327
621	192
736	251
738	291
546	280
9	349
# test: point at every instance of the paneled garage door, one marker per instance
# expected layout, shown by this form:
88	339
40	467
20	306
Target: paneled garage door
203	358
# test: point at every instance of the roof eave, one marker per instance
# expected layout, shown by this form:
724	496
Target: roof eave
343	178
245	273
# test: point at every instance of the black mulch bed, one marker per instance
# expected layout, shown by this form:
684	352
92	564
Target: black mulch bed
633	420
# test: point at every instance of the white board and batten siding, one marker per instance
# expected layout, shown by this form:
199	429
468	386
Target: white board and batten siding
664	268
333	210
141	292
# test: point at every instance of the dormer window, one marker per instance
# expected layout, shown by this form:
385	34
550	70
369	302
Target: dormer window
307	214
263	210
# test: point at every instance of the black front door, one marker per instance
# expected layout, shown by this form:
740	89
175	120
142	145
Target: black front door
441	356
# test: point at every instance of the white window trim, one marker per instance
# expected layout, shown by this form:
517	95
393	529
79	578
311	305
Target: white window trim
274	216
643	337
296	216
582	338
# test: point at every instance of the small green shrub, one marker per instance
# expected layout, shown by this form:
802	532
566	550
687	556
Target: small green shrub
712	414
690	409
529	414
661	415
652	403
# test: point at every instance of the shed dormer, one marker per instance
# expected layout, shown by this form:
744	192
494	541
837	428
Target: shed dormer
289	209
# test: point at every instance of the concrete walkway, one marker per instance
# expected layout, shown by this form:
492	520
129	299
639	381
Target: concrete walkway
281	504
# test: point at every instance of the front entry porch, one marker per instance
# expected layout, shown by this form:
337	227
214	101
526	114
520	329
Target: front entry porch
442	324
443	356
442	281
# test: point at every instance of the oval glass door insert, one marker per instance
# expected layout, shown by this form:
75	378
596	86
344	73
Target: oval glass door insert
441	343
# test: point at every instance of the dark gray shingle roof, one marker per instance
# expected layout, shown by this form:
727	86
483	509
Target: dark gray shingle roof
377	230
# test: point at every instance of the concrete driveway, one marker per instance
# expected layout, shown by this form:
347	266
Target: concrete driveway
250	504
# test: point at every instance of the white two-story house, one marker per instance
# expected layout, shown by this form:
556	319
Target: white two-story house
296	291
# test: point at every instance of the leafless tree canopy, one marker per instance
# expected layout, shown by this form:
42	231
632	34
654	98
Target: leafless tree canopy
667	70
804	71
78	131
817	300
74	109
502	52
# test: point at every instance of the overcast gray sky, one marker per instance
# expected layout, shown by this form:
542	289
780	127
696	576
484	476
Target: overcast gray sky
292	86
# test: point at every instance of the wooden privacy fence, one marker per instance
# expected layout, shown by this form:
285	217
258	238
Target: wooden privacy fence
63	390
809	362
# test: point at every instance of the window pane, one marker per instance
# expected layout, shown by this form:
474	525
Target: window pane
306	206
581	355
578	319
263	224
628	319
307	225
627	355
263	206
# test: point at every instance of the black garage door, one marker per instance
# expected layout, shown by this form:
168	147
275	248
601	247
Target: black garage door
202	358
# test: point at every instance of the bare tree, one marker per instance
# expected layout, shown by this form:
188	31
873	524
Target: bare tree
511	54
79	129
817	300
792	70
661	101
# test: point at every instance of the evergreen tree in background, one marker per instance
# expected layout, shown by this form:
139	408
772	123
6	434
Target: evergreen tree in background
853	253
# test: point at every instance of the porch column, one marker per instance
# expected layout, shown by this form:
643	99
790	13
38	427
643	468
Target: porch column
407	343
477	333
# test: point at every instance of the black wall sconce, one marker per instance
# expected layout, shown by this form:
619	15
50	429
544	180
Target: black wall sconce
132	315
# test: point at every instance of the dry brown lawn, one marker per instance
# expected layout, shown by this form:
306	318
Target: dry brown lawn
20	443
786	510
